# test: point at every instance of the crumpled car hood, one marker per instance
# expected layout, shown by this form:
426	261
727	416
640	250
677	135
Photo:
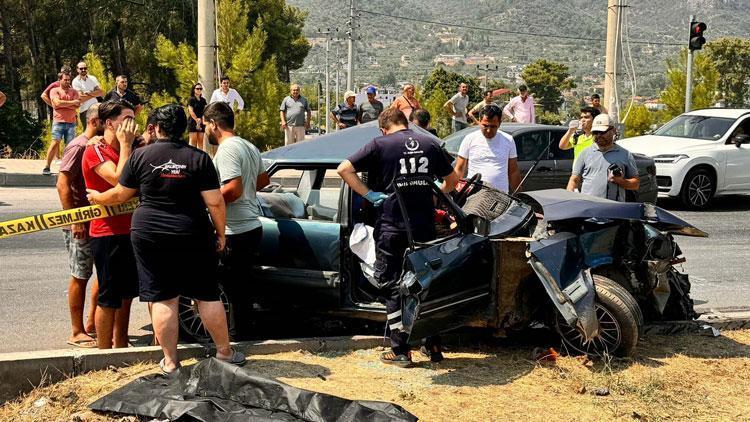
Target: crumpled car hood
560	204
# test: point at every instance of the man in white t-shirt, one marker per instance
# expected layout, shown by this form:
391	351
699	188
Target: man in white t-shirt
88	89
490	153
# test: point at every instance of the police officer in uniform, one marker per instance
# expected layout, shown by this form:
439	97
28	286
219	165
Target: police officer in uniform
399	153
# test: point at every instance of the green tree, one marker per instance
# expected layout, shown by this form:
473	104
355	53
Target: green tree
546	81
705	83
441	121
255	78
638	121
19	131
731	58
447	82
283	24
182	60
388	79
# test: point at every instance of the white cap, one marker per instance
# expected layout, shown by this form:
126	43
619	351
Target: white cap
601	123
348	94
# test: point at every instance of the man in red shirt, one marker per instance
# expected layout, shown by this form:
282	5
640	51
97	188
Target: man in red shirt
65	104
110	237
55	84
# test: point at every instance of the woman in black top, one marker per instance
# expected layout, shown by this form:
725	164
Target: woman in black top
196	105
174	241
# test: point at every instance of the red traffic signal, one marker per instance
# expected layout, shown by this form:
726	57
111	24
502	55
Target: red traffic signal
696	35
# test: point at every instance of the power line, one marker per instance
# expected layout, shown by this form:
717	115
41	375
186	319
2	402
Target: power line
505	31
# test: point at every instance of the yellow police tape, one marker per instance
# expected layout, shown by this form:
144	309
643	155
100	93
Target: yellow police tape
52	220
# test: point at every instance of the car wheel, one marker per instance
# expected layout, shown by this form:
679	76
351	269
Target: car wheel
697	189
190	323
618	323
616	280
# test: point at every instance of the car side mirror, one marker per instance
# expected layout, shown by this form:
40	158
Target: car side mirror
741	139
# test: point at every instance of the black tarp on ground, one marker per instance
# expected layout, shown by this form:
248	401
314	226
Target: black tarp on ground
212	390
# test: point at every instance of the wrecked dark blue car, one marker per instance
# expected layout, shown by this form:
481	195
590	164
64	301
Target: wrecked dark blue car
594	270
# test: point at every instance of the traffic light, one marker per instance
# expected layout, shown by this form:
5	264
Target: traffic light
696	35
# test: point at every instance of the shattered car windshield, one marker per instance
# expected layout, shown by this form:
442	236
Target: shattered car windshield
696	127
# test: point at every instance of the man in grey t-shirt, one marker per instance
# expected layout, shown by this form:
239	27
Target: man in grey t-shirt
456	106
295	116
370	110
241	174
604	169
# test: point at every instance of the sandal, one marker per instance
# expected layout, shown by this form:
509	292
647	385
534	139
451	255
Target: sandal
435	353
390	358
237	358
168	374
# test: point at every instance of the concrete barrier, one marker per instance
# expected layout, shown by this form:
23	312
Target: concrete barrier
22	372
22	180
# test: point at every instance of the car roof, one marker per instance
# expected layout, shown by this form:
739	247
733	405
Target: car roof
731	113
331	148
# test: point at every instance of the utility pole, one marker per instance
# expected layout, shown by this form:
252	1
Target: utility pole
207	48
320	92
327	33
338	65
350	35
612	55
486	69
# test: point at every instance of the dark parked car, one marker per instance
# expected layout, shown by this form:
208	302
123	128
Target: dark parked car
553	170
591	268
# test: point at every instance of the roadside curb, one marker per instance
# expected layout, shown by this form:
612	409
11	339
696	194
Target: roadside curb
24	180
21	372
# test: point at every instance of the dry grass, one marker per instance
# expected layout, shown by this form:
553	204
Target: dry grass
688	377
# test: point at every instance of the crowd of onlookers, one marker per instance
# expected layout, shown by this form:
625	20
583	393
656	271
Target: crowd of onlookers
196	210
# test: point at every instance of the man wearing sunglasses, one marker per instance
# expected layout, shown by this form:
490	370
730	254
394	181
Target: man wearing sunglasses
88	89
604	169
490	153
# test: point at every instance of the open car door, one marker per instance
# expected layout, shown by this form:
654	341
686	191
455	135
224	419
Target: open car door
446	282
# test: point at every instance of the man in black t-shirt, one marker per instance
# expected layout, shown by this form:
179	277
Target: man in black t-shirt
121	92
400	154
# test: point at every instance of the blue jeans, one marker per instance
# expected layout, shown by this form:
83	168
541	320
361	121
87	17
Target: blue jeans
456	125
61	130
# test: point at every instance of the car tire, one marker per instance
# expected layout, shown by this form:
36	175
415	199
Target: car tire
618	323
615	283
698	189
190	323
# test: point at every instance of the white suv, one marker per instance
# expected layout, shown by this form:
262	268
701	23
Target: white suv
699	155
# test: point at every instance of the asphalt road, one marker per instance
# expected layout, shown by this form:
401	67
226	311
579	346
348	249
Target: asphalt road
34	277
34	270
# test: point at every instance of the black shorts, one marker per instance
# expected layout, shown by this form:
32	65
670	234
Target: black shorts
193	127
237	261
115	269
176	265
